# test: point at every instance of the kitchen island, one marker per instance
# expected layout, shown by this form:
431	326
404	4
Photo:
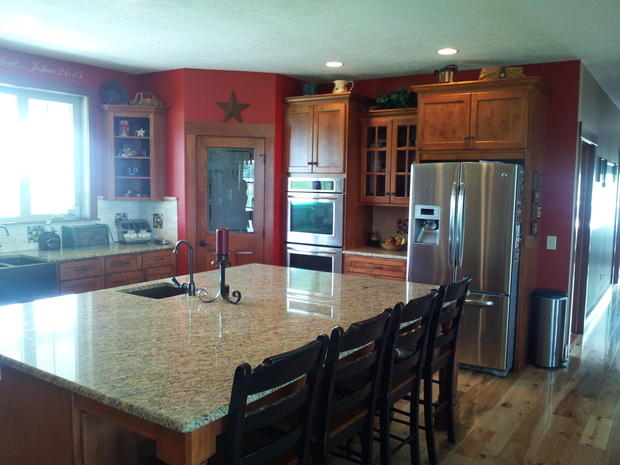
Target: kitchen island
163	369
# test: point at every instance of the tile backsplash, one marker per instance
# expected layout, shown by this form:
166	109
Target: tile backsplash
21	235
390	221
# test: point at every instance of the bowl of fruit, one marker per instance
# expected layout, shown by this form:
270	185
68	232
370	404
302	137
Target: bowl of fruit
394	243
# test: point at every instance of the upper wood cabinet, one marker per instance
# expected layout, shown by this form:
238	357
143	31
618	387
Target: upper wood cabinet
388	150
135	149
476	115
317	131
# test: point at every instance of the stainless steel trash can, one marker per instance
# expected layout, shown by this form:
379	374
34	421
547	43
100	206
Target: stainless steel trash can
550	328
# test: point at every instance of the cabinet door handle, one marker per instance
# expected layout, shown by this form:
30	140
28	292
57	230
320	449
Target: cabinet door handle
472	138
311	163
465	137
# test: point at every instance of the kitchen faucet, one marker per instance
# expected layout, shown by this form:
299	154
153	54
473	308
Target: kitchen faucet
191	286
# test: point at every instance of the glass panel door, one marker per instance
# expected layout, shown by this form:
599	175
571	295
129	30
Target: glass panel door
230	191
376	161
404	156
229	194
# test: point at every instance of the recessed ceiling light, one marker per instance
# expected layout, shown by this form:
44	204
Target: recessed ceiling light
333	64
447	51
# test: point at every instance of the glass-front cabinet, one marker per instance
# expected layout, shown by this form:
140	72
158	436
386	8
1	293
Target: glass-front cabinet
388	150
135	149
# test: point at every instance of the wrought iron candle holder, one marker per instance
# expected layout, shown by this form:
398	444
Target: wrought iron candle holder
224	291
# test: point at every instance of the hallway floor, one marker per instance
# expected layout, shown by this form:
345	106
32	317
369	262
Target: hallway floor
543	417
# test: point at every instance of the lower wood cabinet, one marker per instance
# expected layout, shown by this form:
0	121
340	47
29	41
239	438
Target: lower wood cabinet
92	274
383	268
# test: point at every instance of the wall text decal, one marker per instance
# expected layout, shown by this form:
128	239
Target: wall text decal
39	67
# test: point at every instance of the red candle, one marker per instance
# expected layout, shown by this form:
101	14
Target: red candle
221	241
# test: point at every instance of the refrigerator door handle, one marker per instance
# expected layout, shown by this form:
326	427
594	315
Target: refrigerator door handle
479	303
461	223
452	227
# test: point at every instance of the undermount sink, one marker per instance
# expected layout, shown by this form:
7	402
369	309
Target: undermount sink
24	278
19	260
157	291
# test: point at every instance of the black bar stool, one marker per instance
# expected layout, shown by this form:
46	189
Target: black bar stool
348	395
402	370
440	354
277	430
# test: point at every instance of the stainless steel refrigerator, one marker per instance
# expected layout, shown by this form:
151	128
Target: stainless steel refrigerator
464	219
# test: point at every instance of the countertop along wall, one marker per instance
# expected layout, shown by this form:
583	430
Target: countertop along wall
559	159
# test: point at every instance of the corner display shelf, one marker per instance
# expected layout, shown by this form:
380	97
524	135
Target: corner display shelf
135	150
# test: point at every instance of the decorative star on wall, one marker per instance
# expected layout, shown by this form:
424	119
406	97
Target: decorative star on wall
232	108
140	132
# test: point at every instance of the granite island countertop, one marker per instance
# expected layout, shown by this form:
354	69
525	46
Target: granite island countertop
171	361
80	253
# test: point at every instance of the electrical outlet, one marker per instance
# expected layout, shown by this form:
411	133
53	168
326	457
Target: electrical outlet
32	233
158	221
552	242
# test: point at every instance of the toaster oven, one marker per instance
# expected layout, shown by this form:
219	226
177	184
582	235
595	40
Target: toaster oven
84	235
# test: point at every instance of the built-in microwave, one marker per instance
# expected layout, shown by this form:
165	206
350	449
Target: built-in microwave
315	211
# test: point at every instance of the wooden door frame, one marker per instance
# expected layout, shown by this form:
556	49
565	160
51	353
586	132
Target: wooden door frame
195	129
584	176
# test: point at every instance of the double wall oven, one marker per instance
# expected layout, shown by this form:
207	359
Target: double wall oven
315	215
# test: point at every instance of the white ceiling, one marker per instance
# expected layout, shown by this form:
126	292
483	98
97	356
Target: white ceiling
374	38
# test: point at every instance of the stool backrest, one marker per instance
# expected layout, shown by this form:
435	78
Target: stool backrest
444	328
408	336
354	360
297	374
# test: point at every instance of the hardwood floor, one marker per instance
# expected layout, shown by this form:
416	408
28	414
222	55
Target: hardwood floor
569	416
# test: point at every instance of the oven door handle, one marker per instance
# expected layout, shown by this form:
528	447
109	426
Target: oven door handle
312	252
314	196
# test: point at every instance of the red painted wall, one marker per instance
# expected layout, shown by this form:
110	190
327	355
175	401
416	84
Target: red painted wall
169	87
27	70
559	159
193	94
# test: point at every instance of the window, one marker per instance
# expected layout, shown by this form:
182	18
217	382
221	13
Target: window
43	155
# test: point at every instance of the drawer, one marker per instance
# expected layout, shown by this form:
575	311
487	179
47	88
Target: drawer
386	268
80	269
159	272
157	259
77	286
122	263
122	279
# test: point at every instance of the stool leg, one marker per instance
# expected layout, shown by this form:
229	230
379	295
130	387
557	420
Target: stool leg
366	438
451	426
384	433
428	419
414	421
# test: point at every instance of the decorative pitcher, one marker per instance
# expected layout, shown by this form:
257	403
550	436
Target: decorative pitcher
340	86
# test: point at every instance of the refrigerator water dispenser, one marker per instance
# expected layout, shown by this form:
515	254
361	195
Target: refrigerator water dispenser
426	224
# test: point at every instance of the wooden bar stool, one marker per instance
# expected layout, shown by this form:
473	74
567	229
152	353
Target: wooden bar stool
348	395
276	431
402	370
441	355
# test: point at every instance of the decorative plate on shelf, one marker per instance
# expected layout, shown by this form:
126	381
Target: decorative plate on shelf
113	93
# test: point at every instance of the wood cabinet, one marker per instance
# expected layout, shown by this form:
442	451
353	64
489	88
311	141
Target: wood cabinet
383	268
135	149
317	129
476	116
92	274
81	276
388	150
